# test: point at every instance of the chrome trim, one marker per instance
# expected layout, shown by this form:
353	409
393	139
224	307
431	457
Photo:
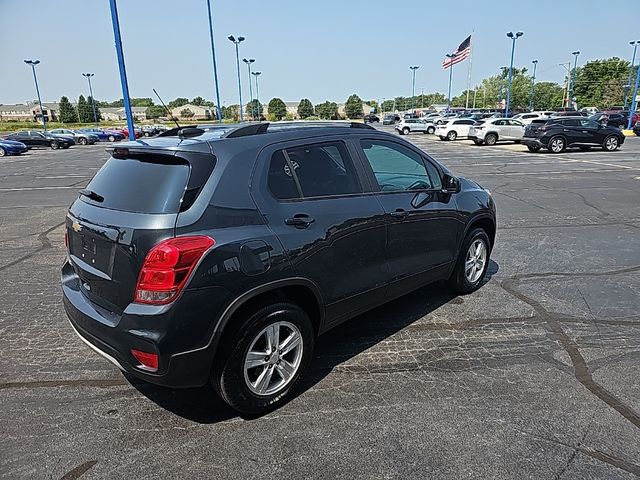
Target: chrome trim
97	350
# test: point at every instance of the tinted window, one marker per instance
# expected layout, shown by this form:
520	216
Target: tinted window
463	122
312	171
588	123
571	122
153	185
396	167
500	122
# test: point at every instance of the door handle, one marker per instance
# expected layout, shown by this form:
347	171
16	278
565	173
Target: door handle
299	220
399	213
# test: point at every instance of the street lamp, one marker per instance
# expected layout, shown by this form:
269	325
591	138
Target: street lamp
249	62
633	60
32	64
533	79
503	73
634	100
215	69
450	56
256	75
237	42
573	74
513	38
93	100
413	86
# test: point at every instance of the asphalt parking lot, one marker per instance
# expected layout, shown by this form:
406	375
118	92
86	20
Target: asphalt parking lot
533	376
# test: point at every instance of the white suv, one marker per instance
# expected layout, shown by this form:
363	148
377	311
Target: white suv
455	128
529	117
408	125
495	130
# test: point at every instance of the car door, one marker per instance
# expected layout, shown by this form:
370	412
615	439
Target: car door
462	127
592	131
422	220
516	129
571	129
332	228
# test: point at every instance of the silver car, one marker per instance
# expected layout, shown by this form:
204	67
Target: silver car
82	138
495	130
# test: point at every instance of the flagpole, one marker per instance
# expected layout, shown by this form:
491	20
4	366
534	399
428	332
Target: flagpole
469	72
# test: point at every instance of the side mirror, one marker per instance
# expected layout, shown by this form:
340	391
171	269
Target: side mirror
450	184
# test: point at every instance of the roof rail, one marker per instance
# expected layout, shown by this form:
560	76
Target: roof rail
247	130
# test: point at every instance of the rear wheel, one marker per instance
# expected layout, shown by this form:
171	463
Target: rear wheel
611	143
270	354
472	263
557	145
491	139
82	141
111	138
452	135
405	131
477	142
55	145
3	152
431	130
533	148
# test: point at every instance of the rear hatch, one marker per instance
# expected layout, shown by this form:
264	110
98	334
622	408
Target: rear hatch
535	128
130	205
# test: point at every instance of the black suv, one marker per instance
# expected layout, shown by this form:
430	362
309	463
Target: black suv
556	134
219	254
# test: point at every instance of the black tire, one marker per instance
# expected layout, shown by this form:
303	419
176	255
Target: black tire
533	148
55	145
82	141
458	279
3	152
111	138
452	135
147	134
230	381
491	139
611	143
585	148
405	131
442	138
431	130
478	142
556	144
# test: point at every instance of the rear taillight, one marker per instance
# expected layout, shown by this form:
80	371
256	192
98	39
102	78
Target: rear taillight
167	267
148	361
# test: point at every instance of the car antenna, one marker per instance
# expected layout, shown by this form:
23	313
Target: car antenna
166	109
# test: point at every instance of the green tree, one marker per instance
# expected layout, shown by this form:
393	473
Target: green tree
547	96
67	113
178	102
232	112
277	109
98	112
186	113
305	108
201	102
601	83
155	111
254	109
85	115
327	110
353	107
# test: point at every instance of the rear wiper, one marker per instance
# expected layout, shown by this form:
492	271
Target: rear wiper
91	194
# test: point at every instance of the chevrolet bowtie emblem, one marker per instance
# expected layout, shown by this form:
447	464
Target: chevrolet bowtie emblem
76	226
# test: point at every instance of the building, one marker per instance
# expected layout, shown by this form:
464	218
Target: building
199	112
117	113
30	112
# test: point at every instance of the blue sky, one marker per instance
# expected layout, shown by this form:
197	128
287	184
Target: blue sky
321	50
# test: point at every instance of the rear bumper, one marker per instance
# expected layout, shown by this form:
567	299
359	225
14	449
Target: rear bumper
531	141
155	329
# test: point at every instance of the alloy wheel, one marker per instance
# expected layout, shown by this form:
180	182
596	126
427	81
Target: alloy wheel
611	143
557	145
475	261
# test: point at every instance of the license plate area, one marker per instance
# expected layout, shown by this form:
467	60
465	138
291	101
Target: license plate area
94	247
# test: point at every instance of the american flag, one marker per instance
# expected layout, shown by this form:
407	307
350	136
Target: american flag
462	52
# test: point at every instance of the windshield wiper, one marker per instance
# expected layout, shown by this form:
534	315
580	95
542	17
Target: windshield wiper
92	195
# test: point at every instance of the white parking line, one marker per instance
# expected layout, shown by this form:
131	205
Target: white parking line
26	189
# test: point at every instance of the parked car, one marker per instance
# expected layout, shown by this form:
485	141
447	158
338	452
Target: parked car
557	134
136	131
408	125
617	118
567	113
590	110
371	118
35	138
455	128
390	119
495	130
636	128
104	135
528	117
152	130
83	138
11	147
228	274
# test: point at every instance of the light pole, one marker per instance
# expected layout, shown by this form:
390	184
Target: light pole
533	79
215	70
237	42
573	74
633	60
249	62
93	100
503	72
450	56
634	100
32	64
513	38
121	67
413	86
256	75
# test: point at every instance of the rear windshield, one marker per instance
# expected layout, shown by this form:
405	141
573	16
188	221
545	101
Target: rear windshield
153	185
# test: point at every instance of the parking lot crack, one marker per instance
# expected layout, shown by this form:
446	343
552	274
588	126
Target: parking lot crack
44	245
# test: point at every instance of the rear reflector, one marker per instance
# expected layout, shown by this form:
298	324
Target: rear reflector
167	267
148	361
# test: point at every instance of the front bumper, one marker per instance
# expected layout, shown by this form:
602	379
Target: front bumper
165	330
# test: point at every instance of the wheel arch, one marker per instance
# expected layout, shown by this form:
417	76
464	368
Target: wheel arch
484	221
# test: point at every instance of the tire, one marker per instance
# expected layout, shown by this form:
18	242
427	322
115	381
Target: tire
452	135
491	139
82	141
478	142
55	145
431	130
405	131
3	152
464	280
111	138
442	138
147	134
557	144
611	143
239	387
533	148
585	148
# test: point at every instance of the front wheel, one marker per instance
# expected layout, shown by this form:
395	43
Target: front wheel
472	263
82	141
3	152
431	130
111	138
405	131
270	353
611	143
557	145
55	145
